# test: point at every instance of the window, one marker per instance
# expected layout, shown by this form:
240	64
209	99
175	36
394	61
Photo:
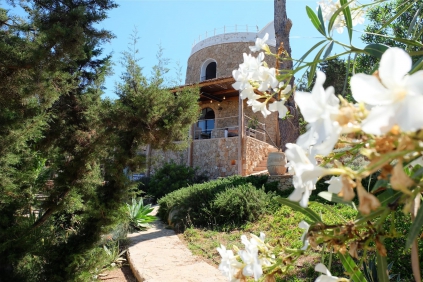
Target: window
208	70
205	124
211	70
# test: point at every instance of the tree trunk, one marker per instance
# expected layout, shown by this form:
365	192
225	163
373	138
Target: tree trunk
288	127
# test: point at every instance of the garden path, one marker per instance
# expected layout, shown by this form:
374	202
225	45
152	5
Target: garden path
157	255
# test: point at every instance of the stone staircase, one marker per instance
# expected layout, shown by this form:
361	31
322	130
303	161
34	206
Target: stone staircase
261	167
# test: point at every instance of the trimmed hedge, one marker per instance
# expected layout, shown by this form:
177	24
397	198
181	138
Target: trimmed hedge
231	200
170	177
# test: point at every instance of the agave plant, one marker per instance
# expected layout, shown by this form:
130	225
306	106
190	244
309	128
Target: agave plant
139	214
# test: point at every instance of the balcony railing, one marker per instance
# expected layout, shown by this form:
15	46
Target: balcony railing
228	127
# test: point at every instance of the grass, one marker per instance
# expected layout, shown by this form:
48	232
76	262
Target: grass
281	228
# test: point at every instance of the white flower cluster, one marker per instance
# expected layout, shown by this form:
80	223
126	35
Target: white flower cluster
254	77
393	99
248	262
329	8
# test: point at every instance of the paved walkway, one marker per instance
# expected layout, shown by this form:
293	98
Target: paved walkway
157	255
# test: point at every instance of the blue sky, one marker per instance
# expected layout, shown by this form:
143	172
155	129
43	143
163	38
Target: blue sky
175	25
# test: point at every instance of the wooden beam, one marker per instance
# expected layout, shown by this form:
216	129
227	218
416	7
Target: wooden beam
204	83
211	96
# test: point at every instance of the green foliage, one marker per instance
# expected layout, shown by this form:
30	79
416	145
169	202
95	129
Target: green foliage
239	204
171	177
139	214
64	150
114	253
153	114
386	19
370	269
196	205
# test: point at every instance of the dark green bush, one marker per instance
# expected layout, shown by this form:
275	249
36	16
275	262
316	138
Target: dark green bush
198	205
238	204
171	177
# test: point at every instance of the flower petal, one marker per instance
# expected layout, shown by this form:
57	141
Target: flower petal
408	115
320	267
394	65
380	120
368	89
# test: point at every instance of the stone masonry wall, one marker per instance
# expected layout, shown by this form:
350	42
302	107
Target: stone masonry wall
216	157
254	152
160	157
228	56
284	181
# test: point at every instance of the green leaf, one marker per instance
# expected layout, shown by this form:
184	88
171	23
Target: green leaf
348	18
417	66
295	206
397	14
380	183
351	268
399	39
388	197
382	268
415	228
376	49
328	50
413	21
314	65
322	22
336	199
415	53
315	20
311	50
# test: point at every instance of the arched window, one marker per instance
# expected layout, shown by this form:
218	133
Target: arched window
208	70
205	124
211	70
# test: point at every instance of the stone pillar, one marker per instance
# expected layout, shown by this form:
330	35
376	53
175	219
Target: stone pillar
240	135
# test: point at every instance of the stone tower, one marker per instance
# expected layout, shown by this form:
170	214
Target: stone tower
217	56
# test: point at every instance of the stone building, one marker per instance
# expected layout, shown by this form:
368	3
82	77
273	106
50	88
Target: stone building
228	138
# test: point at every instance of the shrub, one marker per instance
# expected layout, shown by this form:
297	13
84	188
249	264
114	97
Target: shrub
171	177
200	204
238	204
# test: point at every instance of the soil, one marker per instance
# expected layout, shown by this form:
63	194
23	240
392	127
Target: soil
123	274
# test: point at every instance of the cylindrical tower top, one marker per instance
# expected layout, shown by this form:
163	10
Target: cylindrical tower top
218	55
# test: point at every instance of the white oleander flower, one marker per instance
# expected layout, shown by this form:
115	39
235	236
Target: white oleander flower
279	106
260	44
258	106
267	78
229	266
252	262
320	109
304	225
326	276
306	173
248	92
396	97
335	184
329	8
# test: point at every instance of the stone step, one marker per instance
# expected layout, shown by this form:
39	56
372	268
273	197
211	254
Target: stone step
263	162
260	168
260	172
